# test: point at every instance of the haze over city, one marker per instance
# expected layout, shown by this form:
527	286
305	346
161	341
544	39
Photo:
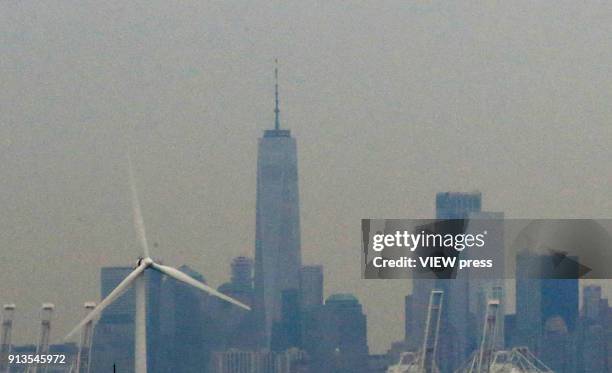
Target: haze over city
389	103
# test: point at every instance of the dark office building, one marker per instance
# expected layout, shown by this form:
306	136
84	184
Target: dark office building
241	285
182	326
113	341
546	310
286	333
452	208
335	336
311	286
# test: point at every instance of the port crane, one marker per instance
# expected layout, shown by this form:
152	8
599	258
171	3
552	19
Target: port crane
424	361
8	312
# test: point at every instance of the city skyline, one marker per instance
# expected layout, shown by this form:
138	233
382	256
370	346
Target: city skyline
395	102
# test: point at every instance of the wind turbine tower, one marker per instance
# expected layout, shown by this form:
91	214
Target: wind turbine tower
8	313
84	355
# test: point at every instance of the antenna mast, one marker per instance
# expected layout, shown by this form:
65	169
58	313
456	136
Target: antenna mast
276	109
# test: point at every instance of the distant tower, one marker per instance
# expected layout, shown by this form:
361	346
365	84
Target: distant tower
242	272
311	286
241	284
483	290
276	105
8	313
113	340
336	336
542	302
454	326
277	226
457	205
591	302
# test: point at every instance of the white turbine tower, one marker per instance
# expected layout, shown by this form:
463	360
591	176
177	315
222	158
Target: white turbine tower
136	278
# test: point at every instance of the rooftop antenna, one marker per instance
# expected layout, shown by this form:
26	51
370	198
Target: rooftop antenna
276	109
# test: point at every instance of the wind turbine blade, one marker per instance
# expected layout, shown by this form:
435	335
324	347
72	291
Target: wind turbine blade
139	225
116	293
180	276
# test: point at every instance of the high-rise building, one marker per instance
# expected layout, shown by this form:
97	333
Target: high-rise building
457	341
123	308
286	333
592	335
186	348
311	286
594	345
543	305
239	330
242	272
240	286
557	349
292	360
457	205
240	361
277	225
481	290
113	341
591	302
336	336
235	360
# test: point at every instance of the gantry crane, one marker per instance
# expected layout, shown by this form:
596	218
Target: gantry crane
8	312
84	355
424	361
42	348
487	360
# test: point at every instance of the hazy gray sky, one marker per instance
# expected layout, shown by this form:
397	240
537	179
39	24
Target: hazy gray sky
390	102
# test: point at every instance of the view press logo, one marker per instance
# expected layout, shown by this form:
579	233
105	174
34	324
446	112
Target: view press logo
493	248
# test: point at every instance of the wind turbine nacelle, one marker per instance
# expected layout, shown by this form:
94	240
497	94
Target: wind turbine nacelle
146	261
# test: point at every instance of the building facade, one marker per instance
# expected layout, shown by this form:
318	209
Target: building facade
311	286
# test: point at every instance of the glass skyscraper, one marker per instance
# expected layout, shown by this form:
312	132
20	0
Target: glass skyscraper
277	226
455	341
457	205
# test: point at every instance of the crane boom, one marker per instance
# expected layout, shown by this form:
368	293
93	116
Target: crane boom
489	335
432	327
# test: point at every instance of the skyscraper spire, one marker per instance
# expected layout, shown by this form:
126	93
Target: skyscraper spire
276	109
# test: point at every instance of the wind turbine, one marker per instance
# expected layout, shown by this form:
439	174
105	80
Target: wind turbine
136	278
